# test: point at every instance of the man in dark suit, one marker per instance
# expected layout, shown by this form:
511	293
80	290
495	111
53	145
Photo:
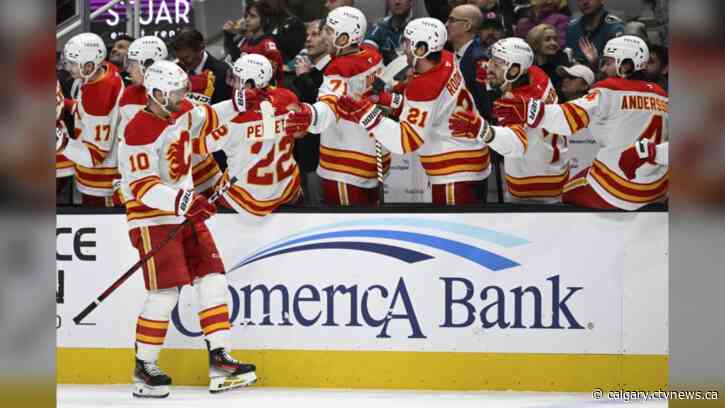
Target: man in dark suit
462	25
306	84
189	48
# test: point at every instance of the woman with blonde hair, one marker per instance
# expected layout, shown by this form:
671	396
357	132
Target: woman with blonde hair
553	12
548	54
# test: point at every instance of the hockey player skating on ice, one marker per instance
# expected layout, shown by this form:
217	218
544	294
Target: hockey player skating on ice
272	178
619	111
436	94
155	163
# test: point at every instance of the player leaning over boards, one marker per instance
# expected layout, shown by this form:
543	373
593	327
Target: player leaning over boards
619	111
141	54
540	174
348	166
96	116
435	94
268	175
155	164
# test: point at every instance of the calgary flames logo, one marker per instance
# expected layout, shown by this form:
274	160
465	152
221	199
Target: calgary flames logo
179	156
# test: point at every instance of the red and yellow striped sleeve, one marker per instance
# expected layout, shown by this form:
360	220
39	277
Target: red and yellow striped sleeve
331	101
409	138
521	135
575	116
143	185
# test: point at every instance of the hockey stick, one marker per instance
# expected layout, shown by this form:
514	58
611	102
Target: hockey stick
123	278
379	165
497	168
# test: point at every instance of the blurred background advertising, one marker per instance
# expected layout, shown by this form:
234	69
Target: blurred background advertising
27	318
697	258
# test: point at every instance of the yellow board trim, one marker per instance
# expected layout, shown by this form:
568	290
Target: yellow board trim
386	369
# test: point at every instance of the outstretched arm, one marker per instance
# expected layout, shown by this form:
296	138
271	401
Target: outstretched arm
510	141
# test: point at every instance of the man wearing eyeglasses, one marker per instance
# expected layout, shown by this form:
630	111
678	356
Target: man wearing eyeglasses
462	26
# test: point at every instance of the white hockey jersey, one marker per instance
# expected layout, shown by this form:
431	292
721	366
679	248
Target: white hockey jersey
94	149
205	170
430	100
155	161
267	174
541	173
618	112
347	154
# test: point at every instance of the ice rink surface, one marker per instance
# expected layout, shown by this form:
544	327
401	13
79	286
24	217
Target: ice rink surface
114	396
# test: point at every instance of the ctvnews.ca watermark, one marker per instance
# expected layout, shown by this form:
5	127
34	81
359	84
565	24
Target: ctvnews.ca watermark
636	395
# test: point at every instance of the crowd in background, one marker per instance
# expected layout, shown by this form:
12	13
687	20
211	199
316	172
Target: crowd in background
567	45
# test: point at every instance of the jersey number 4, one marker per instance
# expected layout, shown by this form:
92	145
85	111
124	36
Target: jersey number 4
268	170
653	131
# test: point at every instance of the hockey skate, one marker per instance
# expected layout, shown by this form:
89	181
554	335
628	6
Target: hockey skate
149	381
226	373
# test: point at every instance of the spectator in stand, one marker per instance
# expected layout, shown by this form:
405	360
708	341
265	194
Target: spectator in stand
550	12
502	10
385	34
658	65
256	38
308	70
307	10
491	30
441	9
287	30
587	35
575	81
333	4
547	53
117	56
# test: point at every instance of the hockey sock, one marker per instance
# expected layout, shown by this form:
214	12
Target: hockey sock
214	312
153	322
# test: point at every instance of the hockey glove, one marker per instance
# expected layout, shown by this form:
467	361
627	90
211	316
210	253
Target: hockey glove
299	121
360	111
469	125
635	156
193	206
518	110
510	111
202	87
535	112
249	99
